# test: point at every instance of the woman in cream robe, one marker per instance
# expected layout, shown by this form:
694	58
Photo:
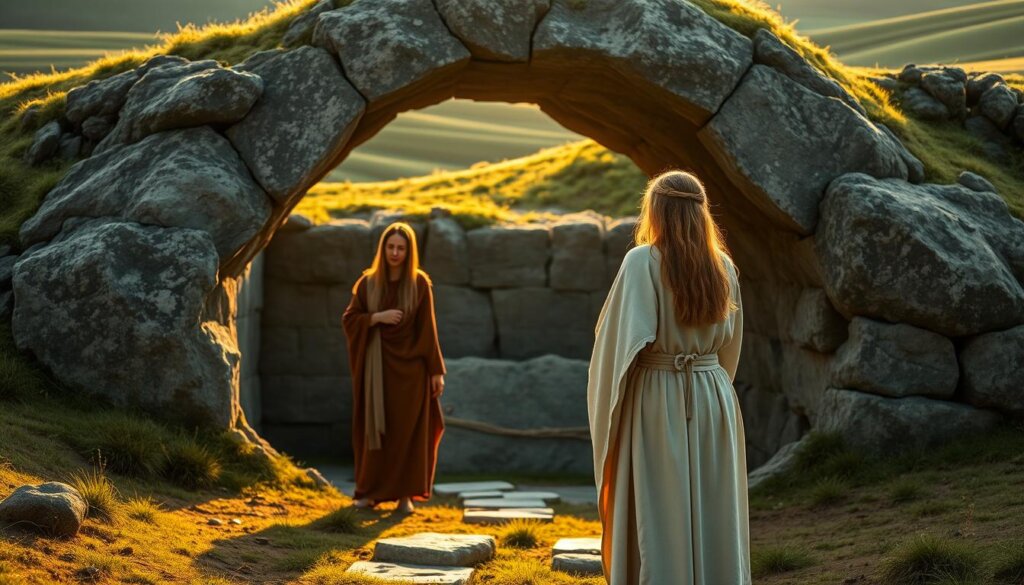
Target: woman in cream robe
672	488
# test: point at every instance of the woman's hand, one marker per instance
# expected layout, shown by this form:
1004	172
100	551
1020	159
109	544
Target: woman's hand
436	385
390	317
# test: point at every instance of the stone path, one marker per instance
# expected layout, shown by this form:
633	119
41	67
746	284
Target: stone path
429	557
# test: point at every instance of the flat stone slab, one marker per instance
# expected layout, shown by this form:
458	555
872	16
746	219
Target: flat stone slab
451	489
577	564
484	516
434	549
547	497
485	494
413	573
585	546
498	503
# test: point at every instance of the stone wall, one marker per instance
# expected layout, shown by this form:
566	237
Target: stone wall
505	296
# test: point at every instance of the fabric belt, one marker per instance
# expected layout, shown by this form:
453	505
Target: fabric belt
688	362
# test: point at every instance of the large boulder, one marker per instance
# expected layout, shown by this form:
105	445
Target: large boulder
446	253
494	30
769	50
297	129
784	143
533	321
948	89
465	321
896	360
183	96
545	392
184	178
388	45
999	104
117	309
99	97
54	508
888	426
672	45
993	376
815	323
509	256
337	252
301	28
577	254
939	257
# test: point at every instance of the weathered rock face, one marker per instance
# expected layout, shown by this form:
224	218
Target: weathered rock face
130	331
546	393
816	324
388	45
896	360
950	258
44	144
101	97
55	508
334	253
304	117
183	96
497	31
184	178
672	45
577	254
887	426
446	255
510	256
785	143
993	376
465	321
301	28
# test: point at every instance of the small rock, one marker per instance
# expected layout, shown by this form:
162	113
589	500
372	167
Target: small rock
95	128
999	105
261	540
975	182
978	85
54	507
317	478
45	144
126	551
215	522
947	89
236	521
577	564
70	146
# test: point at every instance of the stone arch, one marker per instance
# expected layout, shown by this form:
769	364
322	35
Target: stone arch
658	80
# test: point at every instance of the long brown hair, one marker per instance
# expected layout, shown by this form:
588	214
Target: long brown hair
377	273
675	217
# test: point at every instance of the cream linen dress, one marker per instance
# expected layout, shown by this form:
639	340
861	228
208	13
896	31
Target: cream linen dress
673	492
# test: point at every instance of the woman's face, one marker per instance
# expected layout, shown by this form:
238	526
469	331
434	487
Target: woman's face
395	250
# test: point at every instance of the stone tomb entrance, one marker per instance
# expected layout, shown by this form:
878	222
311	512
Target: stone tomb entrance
129	279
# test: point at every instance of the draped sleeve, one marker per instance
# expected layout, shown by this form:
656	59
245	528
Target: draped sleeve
426	329
729	354
628	322
356	323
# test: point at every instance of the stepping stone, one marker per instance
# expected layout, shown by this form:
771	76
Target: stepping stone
483	516
548	497
577	564
413	573
494	503
433	549
585	546
451	489
488	494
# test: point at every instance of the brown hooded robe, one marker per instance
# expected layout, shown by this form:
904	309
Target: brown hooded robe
404	466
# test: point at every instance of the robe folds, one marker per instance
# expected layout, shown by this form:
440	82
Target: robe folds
411	354
672	492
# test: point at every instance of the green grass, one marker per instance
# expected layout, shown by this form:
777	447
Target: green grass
905	490
520	534
828	491
778	559
99	493
342	521
926	559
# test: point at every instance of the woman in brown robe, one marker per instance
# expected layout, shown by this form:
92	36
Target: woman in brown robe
397	375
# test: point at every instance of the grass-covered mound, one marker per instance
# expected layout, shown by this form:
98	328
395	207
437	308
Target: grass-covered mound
573	177
944	148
